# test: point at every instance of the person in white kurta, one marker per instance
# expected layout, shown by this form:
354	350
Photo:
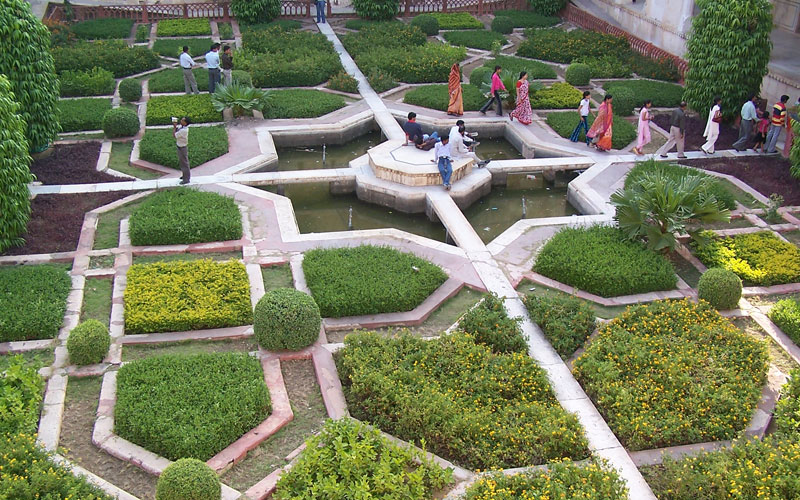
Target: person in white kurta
457	146
712	127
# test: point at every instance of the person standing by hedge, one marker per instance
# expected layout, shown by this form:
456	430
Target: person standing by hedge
602	130
712	127
778	122
497	84
456	105
321	11
181	132
749	118
677	132
643	129
583	124
227	64
187	63
212	62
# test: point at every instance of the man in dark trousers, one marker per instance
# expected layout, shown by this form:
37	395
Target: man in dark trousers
226	60
677	132
749	118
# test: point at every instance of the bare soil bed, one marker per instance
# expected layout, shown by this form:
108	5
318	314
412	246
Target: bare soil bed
766	174
694	132
71	164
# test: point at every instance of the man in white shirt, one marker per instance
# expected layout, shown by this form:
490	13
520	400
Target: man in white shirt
187	63
583	110
441	155
212	62
457	145
181	132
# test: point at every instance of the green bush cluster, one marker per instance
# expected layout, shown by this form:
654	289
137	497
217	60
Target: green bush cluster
678	172
470	406
96	81
758	258
489	324
380	80
88	343
284	24
286	318
172	47
787	410
437	97
75	115
130	90
562	46
671	373
593	480
161	109
112	56
357	24
255	11
662	68
121	122
480	75
183	27
547	7
225	31
98	29
536	70
183	216
457	21
605	66
30	472
186	295
302	103
188	479
564	123
205	144
578	74
720	288
21	390
557	96
599	260
786	314
171	80
368	280
475	39
663	94
142	33
32	301
372	465
378	10
504	25
528	18
343	82
190	406
566	321
427	23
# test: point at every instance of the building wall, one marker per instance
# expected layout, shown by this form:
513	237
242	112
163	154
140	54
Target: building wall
786	15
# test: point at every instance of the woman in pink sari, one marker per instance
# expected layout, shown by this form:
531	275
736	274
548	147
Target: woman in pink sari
643	137
523	111
601	130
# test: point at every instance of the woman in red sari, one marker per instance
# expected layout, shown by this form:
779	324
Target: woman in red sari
456	104
601	130
523	111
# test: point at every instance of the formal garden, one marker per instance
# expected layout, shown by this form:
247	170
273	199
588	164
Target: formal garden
565	323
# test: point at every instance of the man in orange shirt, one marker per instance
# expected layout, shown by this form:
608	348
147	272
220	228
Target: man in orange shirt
778	122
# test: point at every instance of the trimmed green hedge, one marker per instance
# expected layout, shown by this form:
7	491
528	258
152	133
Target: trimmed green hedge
564	123
599	260
786	314
470	406
182	216
121	122
98	29
302	103
557	96
536	70
173	47
476	39
757	258
428	63
161	109
606	66
32	301
578	74
186	295
343	82
528	18
663	94
358	24
21	390
88	343
171	80
205	144
113	56
142	33
368	280
438	97
225	31
677	172
284	24
188	478
457	21
427	23
76	115
96	81
566	321
183	27
190	406
130	90
286	318
563	47
489	324
502	25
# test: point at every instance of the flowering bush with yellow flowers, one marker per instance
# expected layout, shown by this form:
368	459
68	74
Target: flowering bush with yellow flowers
758	258
26	471
489	323
20	396
752	469
787	411
673	372
186	295
562	481
476	408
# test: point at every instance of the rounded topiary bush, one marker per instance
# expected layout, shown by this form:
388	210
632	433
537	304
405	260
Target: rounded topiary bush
578	74
503	24
624	100
130	90
88	343
427	23
720	287
120	122
188	479
242	77
286	319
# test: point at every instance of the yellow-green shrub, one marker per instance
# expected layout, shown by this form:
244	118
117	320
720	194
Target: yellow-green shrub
758	258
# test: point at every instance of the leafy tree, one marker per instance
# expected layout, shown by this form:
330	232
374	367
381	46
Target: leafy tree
547	7
15	206
25	59
728	53
379	10
794	153
658	206
255	11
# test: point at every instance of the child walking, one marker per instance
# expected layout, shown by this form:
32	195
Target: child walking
761	135
441	155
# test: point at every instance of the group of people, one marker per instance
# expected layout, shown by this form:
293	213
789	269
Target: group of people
767	125
219	65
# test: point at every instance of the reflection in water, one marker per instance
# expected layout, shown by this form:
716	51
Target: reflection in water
336	156
496	149
500	209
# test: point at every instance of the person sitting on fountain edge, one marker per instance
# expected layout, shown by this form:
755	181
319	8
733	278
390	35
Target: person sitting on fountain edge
460	143
414	134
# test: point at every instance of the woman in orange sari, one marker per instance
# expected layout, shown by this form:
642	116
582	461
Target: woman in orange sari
456	106
601	130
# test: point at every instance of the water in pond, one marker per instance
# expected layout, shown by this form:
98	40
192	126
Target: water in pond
319	211
336	155
496	149
500	209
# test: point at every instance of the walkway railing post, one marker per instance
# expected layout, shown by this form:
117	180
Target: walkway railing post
226	12
444	5
408	8
144	12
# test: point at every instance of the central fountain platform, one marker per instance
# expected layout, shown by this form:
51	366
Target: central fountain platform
394	161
